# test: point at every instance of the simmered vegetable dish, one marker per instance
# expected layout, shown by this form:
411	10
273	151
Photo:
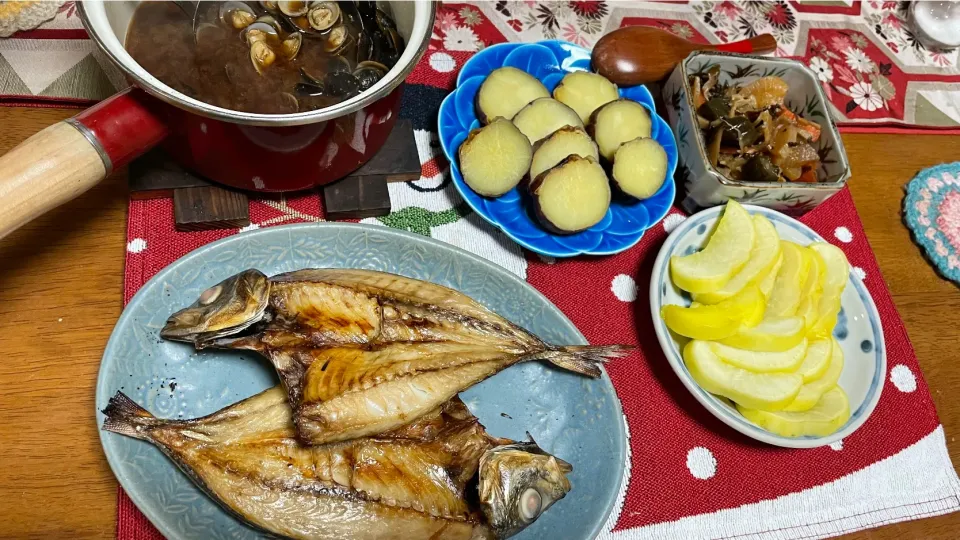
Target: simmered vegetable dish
750	134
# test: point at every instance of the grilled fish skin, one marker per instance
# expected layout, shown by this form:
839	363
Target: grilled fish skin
348	391
413	482
405	484
361	352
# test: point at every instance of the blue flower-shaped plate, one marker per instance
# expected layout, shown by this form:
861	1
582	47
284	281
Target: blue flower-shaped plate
549	61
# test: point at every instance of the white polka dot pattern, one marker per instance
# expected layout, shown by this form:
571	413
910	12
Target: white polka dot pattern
843	234
624	288
136	245
442	62
670	222
701	463
903	378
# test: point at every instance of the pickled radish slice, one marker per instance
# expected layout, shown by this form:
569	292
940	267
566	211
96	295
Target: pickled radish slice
767	391
727	251
829	414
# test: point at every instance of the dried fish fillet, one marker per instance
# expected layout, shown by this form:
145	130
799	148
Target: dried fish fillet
363	352
408	483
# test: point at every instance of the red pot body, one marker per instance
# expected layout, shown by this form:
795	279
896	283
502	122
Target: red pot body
255	158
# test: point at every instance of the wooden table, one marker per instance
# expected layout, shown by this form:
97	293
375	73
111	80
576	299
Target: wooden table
61	291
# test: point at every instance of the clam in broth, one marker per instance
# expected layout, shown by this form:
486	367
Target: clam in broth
266	57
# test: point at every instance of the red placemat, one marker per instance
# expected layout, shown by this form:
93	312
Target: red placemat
688	475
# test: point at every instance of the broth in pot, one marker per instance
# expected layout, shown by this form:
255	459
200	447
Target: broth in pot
266	57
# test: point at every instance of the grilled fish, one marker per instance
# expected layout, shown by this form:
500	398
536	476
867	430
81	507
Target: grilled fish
405	484
523	478
363	352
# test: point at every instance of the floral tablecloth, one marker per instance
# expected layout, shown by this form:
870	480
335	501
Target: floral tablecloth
868	60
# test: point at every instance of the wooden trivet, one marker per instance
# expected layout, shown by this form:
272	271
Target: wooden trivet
200	204
209	207
357	197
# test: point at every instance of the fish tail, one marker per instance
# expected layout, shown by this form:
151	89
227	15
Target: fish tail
125	417
582	359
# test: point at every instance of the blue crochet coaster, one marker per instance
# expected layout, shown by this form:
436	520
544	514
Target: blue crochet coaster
932	212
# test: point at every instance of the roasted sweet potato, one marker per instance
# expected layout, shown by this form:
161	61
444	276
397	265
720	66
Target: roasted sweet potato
585	92
543	116
505	91
494	158
572	196
618	122
639	168
566	141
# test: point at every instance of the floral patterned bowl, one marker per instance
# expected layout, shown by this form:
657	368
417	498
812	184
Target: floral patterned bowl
858	331
549	61
703	184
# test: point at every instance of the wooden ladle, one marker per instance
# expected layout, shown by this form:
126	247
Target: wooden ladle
642	54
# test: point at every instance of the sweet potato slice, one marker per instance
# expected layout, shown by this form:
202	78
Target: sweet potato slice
505	91
640	168
543	116
494	158
566	141
585	92
571	197
618	122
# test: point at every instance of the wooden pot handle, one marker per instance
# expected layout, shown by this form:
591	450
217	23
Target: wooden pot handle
45	171
68	158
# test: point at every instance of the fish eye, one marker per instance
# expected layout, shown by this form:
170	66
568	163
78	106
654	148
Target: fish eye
530	501
211	294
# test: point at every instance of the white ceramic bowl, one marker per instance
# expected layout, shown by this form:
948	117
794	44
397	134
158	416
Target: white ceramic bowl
858	331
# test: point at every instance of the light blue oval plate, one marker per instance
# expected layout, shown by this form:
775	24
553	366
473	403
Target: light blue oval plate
575	418
549	61
858	330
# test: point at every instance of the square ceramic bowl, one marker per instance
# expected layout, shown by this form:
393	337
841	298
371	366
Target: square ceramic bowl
858	331
704	185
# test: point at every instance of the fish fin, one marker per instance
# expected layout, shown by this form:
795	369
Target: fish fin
582	359
125	417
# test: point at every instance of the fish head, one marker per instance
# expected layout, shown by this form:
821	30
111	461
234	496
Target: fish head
517	483
225	309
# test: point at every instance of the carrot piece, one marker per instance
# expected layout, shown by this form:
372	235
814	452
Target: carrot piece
810	127
809	176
